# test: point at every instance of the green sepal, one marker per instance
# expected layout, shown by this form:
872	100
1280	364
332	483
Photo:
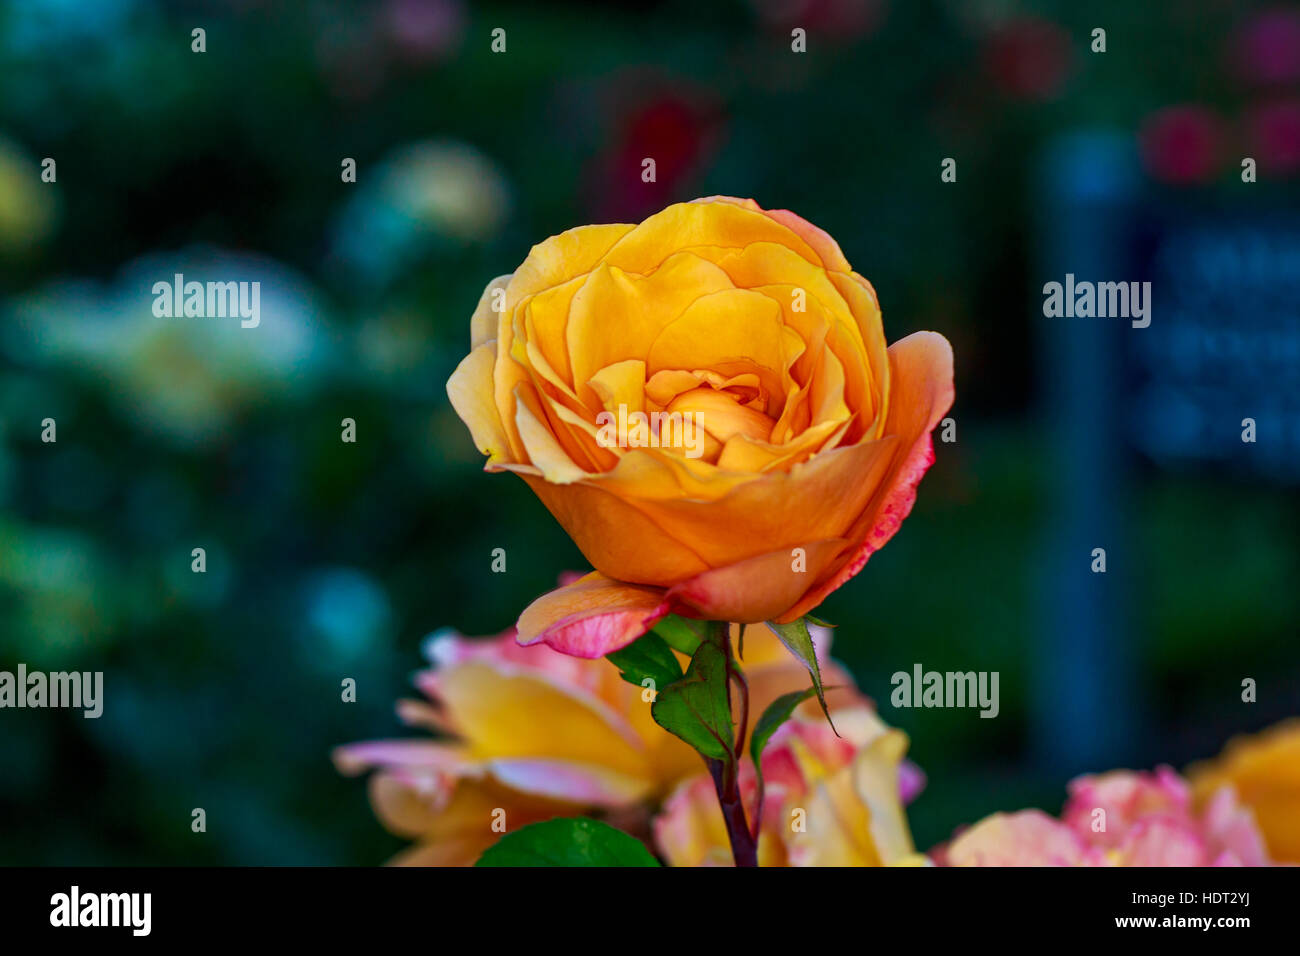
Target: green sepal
795	636
647	658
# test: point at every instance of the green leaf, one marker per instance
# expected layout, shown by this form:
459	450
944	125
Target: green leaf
795	636
777	713
818	621
647	658
697	708
681	633
569	841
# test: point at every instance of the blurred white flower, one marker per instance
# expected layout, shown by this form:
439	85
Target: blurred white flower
185	378
424	193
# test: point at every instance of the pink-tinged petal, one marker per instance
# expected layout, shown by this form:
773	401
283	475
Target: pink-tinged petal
408	804
1162	841
689	830
1027	838
585	785
897	505
1126	797
760	588
353	759
825	247
818	742
1133	793
1231	829
593	616
921	393
422	714
448	650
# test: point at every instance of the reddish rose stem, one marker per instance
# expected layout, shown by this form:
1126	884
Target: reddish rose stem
744	848
726	782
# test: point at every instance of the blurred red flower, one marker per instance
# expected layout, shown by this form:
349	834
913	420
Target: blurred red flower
1273	134
1029	58
676	125
1182	145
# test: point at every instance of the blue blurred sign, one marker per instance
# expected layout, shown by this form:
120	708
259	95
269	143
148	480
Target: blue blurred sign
1224	345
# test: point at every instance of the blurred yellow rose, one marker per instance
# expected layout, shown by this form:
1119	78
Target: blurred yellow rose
780	442
1264	770
529	733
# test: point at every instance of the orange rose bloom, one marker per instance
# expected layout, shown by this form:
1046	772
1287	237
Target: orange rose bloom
767	440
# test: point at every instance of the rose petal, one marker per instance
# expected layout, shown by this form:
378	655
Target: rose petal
922	393
1026	838
593	616
470	391
587	785
757	589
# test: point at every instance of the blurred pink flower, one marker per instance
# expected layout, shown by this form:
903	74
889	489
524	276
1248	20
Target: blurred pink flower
1119	818
1182	145
1266	48
1273	134
528	734
425	29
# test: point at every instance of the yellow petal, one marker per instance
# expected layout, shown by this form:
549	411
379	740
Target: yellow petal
720	415
617	315
621	384
470	389
560	258
731	332
523	714
685	225
540	444
483	324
